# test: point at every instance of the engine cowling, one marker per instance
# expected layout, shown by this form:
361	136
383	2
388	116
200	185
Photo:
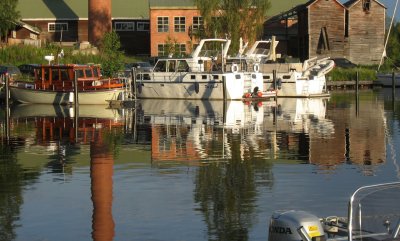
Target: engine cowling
295	226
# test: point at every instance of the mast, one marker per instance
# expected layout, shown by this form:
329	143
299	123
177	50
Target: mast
388	34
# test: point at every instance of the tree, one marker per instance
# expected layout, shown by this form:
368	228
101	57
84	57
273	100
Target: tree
8	16
233	19
111	54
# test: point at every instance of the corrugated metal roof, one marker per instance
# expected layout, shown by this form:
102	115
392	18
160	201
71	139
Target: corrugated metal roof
74	9
172	3
280	6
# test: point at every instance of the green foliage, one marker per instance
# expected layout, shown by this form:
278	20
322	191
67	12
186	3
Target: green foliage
393	47
8	16
233	19
26	54
111	55
340	74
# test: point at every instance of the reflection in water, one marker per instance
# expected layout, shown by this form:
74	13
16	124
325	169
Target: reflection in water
202	131
230	143
101	172
240	157
55	128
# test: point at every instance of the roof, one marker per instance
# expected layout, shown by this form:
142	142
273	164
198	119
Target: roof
349	4
74	9
172	3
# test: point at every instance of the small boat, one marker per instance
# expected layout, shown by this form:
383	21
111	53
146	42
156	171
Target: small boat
386	80
297	79
55	84
373	213
204	76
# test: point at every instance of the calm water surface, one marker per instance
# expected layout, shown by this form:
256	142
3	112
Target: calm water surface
189	170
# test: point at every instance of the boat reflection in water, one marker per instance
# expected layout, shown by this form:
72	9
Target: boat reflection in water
201	131
59	130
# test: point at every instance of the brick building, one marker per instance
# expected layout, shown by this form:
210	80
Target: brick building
170	25
67	21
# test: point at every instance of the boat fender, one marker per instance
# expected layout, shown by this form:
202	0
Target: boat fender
279	84
96	83
235	68
256	68
196	87
139	88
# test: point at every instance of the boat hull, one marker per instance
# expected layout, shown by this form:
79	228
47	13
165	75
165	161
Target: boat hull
229	87
297	87
97	97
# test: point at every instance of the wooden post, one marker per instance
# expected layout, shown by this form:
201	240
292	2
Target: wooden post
133	72
357	81
76	106
7	97
274	79
393	84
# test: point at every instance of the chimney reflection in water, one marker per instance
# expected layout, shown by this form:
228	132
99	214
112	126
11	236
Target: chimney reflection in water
101	173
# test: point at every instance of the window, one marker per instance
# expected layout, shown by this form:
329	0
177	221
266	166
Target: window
179	24
57	27
366	5
161	50
180	49
124	26
198	23
143	26
162	24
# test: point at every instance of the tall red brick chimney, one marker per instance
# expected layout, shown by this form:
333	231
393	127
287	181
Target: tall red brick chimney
99	20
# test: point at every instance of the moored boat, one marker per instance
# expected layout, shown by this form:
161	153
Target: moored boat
296	79
204	75
55	84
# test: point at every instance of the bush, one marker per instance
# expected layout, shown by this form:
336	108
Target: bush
340	74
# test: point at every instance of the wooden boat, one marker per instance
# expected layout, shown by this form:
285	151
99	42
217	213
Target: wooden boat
54	84
204	75
297	79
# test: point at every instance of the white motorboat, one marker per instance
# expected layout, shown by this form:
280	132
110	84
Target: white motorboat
204	75
305	79
373	214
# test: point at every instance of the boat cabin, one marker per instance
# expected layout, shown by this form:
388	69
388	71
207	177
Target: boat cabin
62	77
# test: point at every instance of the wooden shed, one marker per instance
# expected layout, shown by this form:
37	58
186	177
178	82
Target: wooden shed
321	25
365	31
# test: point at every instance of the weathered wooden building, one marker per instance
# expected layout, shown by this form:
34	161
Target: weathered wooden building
321	29
326	28
365	31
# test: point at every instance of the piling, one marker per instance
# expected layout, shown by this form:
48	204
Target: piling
393	84
274	79
76	106
7	99
133	72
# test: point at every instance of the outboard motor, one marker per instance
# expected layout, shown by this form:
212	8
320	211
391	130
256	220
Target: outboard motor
295	226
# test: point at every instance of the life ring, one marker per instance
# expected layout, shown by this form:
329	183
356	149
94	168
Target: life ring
256	68
235	68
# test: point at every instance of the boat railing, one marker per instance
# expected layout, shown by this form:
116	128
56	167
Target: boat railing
374	211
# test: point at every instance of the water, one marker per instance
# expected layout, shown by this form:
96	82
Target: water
189	170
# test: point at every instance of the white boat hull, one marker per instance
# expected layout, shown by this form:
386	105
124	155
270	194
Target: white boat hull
299	87
97	97
229	87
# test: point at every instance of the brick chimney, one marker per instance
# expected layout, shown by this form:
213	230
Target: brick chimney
99	20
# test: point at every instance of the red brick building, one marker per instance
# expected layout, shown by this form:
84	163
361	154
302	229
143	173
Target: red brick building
170	27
